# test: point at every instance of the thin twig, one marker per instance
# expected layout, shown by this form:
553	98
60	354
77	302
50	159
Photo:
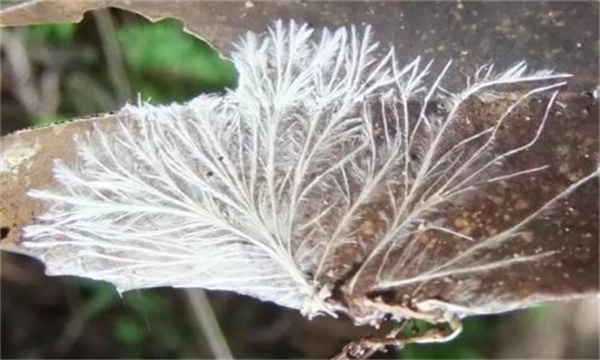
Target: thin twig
113	55
367	347
206	319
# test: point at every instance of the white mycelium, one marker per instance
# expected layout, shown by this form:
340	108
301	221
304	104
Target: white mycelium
253	191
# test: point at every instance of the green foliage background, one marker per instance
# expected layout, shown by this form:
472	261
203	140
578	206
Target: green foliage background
163	64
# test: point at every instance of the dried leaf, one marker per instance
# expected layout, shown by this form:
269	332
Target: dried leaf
332	180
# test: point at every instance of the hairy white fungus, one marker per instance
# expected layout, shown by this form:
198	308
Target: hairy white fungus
253	191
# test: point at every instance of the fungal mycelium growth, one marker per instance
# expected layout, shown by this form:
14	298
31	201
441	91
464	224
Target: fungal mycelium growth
318	182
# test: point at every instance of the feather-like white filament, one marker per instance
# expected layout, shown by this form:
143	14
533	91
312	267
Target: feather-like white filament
255	190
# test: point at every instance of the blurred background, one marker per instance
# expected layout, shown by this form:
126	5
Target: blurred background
53	73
